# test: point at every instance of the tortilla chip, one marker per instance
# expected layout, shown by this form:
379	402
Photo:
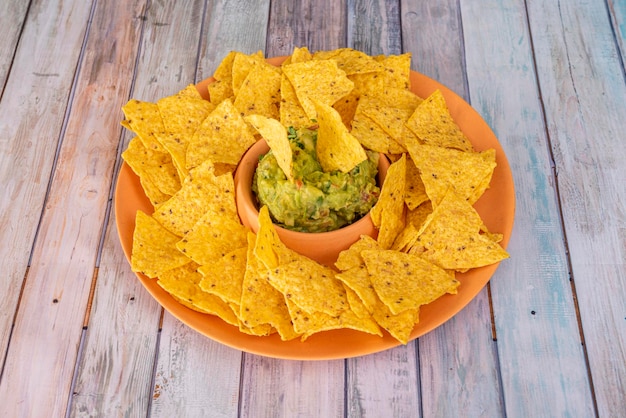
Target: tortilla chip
467	173
397	70
275	134
182	283
451	237
398	326
316	80
388	213
155	166
291	111
242	65
223	137
201	191
144	119
224	277
213	236
433	124
260	92
154	248
337	149
414	190
405	281
311	286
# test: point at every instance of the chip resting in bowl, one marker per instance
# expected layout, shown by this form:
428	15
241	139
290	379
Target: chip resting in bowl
186	149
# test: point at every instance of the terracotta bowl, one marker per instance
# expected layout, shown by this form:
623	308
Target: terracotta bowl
322	247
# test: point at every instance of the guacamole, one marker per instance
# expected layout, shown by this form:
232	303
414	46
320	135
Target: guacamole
315	201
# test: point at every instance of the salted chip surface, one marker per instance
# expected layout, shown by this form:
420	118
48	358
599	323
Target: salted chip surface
222	137
351	257
182	113
242	65
467	173
224	277
388	213
154	248
269	249
183	283
397	70
309	323
414	189
275	134
291	111
144	119
319	80
405	281
261	303
433	124
213	236
356	62
398	326
336	148
260	92
155	166
310	285
201	191
451	237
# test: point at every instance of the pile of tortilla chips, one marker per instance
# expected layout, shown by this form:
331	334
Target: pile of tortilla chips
186	150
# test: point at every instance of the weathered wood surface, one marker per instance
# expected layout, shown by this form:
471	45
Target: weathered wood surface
80	336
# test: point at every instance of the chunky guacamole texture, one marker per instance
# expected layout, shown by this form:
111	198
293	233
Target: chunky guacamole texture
316	201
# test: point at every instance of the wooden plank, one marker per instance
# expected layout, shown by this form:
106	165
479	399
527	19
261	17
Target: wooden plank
538	341
12	17
48	327
232	25
196	376
374	26
318	25
581	76
617	10
461	353
281	388
31	118
122	309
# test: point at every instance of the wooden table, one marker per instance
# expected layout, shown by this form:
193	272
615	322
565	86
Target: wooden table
79	335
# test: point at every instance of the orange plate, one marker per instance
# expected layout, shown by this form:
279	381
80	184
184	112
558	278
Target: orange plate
496	207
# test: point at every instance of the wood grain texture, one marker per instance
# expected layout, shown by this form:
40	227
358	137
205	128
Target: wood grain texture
195	376
318	25
232	25
535	315
116	370
581	76
33	106
12	17
59	280
280	388
432	31
384	384
617	14
374	26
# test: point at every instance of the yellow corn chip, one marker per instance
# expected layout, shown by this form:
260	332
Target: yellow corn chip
155	166
406	281
242	65
399	326
154	248
224	277
291	111
316	80
201	191
388	213
451	237
467	173
260	92
311	286
397	70
261	303
414	190
183	282
337	149
214	235
144	119
433	124
275	135
223	137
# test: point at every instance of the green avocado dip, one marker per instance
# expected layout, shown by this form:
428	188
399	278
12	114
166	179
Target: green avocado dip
315	201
